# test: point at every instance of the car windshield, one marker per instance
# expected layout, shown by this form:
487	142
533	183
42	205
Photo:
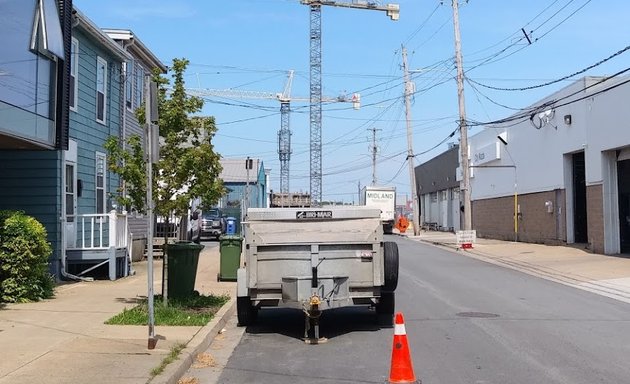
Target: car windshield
213	213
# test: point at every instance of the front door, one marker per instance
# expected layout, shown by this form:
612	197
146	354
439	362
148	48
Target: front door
623	181
580	225
70	195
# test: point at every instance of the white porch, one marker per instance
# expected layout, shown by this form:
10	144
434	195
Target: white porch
94	240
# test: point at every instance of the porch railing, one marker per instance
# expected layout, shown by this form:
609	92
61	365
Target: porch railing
101	230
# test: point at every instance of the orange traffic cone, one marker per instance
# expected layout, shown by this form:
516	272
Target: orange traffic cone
402	367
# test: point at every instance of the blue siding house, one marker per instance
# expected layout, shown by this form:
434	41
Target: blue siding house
95	234
236	178
61	97
34	95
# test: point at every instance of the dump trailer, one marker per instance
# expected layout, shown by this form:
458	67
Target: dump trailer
315	259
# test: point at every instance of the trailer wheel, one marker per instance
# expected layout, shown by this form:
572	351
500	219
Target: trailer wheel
245	311
391	266
385	309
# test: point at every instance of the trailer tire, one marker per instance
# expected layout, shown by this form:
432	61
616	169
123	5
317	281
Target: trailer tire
245	311
390	250
385	309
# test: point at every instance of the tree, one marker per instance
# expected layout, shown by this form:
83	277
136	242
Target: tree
188	167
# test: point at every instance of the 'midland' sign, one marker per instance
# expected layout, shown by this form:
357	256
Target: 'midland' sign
379	195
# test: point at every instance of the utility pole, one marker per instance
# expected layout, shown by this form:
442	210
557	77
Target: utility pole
374	150
149	152
463	130
410	155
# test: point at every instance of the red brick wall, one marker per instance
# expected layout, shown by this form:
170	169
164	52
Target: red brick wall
494	218
595	217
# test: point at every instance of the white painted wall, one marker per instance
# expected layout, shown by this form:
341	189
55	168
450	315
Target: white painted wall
599	123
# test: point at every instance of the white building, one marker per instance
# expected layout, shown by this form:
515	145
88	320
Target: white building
562	169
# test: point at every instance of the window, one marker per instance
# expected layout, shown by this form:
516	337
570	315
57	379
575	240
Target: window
101	89
129	84
100	182
46	36
28	68
139	77
69	192
74	72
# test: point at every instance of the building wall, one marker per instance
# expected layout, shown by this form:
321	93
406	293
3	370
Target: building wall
30	182
494	218
595	217
89	134
537	160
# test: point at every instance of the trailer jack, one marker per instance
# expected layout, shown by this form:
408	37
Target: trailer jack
312	312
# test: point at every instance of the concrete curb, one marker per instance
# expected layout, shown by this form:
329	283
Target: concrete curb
199	343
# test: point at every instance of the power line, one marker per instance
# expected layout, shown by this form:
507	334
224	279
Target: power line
528	113
623	50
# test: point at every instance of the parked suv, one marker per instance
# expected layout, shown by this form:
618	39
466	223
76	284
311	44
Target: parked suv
212	223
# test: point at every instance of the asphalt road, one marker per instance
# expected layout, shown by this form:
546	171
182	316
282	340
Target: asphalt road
467	322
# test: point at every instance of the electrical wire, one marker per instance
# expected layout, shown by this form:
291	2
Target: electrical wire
555	103
621	51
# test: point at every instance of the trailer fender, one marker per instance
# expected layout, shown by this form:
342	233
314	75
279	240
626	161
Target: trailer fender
241	283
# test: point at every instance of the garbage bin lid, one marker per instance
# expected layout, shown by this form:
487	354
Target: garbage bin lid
182	244
230	237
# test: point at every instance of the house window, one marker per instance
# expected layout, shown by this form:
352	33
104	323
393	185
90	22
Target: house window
70	192
74	73
100	182
31	43
101	89
139	77
129	84
46	36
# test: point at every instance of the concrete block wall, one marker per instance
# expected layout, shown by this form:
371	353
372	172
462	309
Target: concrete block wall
494	218
595	217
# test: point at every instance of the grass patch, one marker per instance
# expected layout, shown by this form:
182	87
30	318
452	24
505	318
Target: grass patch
172	356
189	311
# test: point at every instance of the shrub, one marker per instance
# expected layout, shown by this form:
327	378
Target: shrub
24	254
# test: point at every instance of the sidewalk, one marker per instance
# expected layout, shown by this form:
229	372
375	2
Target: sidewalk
65	340
605	275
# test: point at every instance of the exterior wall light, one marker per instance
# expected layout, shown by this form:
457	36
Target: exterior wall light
567	119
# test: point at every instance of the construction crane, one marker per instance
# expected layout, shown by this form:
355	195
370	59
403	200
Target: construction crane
393	11
285	98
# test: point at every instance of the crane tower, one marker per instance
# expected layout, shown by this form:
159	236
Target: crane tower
393	11
285	98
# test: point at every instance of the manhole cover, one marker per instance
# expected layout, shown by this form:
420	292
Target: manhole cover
482	315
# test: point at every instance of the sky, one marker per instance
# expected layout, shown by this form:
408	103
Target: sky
251	45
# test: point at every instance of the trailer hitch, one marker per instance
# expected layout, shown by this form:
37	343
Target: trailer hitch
312	314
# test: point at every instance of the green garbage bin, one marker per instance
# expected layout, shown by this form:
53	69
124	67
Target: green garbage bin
230	252
183	258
